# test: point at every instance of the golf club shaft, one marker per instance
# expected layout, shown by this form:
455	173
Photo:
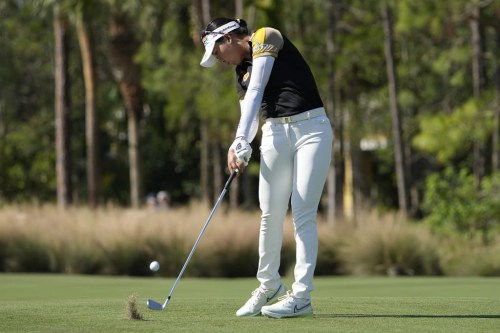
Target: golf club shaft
233	175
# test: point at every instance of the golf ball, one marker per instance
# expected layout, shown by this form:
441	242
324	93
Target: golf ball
154	266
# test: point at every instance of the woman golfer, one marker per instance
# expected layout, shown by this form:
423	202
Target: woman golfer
296	148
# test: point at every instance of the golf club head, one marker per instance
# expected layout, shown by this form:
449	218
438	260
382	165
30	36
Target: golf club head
153	305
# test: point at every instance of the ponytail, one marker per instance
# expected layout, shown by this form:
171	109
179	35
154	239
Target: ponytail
243	26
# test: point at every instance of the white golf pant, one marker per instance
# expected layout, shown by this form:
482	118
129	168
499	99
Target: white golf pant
295	158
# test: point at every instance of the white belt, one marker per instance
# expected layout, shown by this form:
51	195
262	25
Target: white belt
298	117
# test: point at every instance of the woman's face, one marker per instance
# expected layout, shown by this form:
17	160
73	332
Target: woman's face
229	51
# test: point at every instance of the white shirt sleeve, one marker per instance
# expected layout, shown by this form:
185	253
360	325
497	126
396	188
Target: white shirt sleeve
250	105
254	126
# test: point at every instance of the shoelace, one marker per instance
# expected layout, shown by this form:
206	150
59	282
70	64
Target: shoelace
256	294
288	294
257	291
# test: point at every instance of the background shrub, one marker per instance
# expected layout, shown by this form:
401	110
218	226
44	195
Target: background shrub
117	241
228	260
390	246
170	252
26	253
80	259
462	256
454	206
329	252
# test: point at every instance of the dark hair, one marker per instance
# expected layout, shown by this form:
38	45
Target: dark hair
218	22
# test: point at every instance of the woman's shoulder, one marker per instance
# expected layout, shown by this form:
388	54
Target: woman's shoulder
270	29
266	33
266	41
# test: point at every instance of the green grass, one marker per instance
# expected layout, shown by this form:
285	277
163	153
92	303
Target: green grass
73	303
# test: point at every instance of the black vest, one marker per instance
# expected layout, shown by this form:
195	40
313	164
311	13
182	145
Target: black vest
291	88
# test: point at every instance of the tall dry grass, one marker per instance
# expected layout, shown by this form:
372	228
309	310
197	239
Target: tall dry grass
388	245
113	240
463	256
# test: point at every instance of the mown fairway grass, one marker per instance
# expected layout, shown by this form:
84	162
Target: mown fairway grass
72	303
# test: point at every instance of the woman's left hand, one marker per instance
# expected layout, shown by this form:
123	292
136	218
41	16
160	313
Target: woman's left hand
233	162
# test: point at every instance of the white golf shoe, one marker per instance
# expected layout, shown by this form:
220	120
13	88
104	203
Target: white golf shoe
260	297
288	306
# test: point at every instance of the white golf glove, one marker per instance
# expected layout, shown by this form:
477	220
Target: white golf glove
242	149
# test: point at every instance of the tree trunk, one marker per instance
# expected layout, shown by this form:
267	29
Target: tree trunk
478	78
348	180
217	170
331	184
395	112
84	40
235	186
205	10
206	185
496	128
62	109
205	164
238	8
123	47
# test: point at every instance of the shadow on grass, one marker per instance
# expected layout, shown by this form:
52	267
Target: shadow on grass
349	315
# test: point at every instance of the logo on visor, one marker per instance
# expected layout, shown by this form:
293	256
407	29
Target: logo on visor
207	36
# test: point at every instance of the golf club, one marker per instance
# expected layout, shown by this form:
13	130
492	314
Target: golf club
152	304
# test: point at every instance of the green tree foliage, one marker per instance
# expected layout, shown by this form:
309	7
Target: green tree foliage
446	135
26	119
432	47
455	206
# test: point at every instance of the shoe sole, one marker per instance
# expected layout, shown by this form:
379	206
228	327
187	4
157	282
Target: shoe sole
305	312
284	315
248	315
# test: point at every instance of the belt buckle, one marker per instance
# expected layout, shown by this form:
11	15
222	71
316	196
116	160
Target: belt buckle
287	120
